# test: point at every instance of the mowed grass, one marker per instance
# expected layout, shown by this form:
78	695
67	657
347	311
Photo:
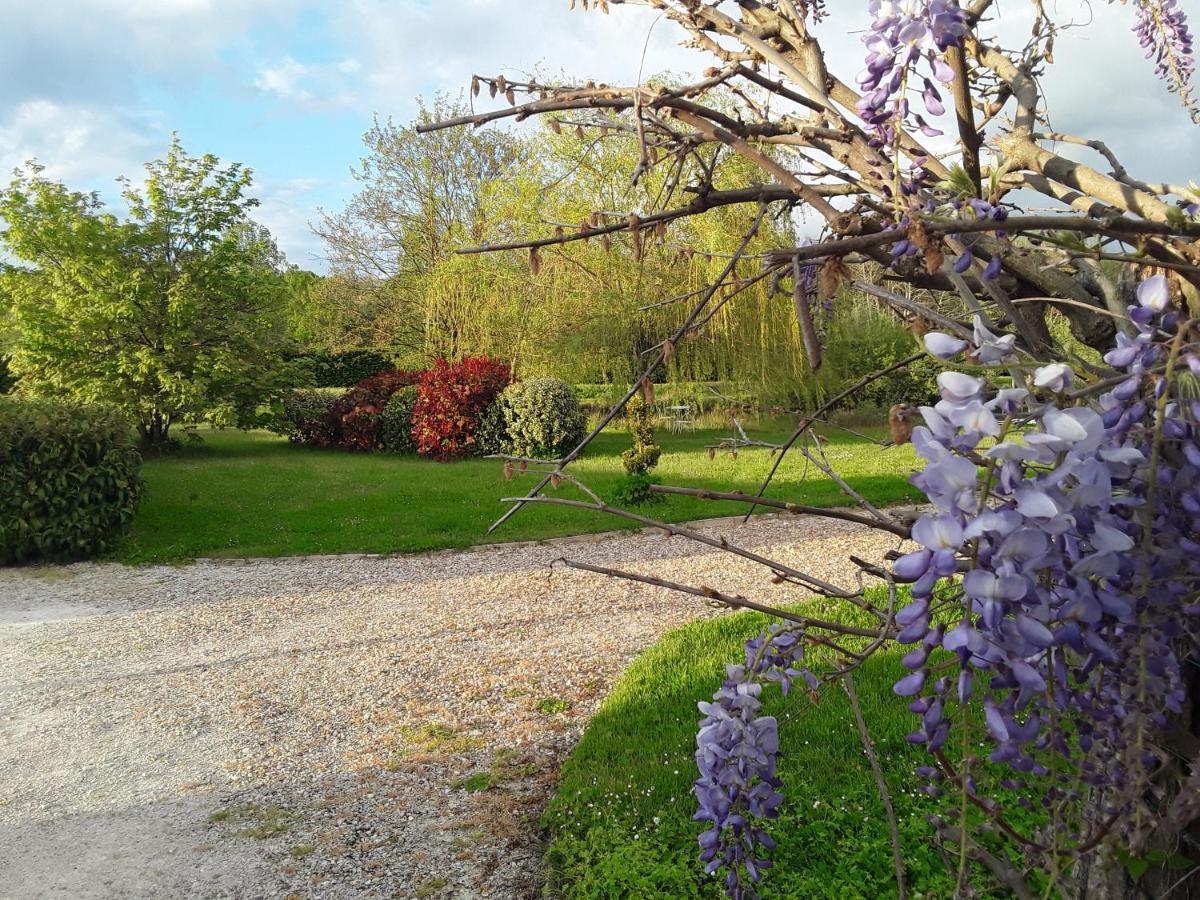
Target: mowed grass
621	823
241	494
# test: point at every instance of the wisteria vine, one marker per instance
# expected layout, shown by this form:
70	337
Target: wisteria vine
1069	534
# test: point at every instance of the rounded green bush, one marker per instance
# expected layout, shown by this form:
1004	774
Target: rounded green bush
492	434
395	426
543	418
302	417
69	482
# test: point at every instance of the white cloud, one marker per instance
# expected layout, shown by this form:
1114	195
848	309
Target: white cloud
69	85
86	147
310	86
411	48
286	209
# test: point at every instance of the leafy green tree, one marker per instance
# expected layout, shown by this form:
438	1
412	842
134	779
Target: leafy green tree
174	313
419	199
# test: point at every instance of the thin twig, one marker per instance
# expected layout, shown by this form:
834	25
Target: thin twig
873	757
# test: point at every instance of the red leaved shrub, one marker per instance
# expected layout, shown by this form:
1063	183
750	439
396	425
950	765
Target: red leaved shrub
451	398
353	420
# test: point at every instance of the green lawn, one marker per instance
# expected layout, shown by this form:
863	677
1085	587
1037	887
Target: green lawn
620	825
254	494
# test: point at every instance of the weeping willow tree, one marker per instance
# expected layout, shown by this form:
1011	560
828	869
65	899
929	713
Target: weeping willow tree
587	311
591	312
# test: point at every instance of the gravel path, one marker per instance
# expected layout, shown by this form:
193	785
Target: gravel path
321	727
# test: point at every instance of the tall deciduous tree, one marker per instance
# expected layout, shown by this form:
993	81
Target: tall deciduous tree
417	201
173	313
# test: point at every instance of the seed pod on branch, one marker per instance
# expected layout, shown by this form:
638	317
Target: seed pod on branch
668	350
555	481
647	390
712	452
553	125
579	132
831	276
919	326
474	85
934	258
492	88
508	470
900	423
535	260
511	96
501	84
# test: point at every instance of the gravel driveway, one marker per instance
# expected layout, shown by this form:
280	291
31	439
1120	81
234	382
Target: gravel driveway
327	727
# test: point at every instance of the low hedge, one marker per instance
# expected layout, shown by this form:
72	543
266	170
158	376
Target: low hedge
354	420
343	370
451	400
303	419
395	424
69	481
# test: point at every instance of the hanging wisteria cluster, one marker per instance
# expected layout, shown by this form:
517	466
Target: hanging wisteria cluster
736	752
1077	535
904	34
1068	534
1162	30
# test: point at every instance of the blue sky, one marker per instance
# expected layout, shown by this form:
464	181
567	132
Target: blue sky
94	88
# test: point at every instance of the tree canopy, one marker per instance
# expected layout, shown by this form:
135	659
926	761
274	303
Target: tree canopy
173	312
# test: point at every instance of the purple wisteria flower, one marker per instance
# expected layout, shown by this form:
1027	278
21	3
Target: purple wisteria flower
736	753
902	34
1077	536
943	346
1162	30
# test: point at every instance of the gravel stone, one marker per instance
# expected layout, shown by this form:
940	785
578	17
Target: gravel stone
322	726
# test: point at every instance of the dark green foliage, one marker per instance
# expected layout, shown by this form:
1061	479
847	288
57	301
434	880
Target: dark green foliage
643	455
863	341
8	380
543	418
634	490
69	482
344	369
395	425
492	435
304	419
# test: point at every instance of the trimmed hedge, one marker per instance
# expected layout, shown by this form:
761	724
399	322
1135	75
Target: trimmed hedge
543	418
69	481
450	402
342	370
304	419
492	433
354	420
395	425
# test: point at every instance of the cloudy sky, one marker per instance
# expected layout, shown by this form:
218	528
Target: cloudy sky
94	88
